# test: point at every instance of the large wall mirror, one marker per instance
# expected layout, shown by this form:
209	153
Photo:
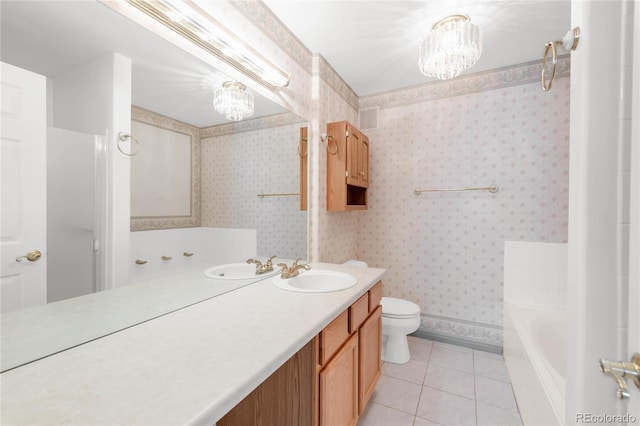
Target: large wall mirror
209	172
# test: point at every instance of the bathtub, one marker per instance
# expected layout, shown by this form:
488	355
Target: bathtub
535	351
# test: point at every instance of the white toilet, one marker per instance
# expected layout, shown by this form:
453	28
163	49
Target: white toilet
399	318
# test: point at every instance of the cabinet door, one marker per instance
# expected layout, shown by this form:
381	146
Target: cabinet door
363	162
338	403
303	150
370	357
353	156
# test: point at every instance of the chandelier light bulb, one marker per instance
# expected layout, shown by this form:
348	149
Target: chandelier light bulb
233	101
453	45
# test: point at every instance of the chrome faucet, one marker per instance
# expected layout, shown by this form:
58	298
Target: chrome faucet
290	272
260	268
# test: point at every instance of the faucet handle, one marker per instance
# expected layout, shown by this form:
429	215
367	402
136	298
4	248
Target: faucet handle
284	267
270	261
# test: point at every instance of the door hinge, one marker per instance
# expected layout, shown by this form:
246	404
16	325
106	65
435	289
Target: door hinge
346	133
95	246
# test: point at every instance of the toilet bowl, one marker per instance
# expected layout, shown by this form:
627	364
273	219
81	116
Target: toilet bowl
399	318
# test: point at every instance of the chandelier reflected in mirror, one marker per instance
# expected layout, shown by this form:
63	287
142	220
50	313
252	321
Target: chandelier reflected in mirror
453	45
233	101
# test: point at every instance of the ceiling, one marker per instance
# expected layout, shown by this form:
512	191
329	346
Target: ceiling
51	37
372	44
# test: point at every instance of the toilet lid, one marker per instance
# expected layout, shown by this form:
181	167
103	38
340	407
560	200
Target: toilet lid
392	307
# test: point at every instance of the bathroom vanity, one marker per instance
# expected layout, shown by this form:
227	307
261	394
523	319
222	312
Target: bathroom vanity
327	382
194	365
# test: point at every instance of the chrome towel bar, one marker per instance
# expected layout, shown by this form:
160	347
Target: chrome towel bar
491	188
262	195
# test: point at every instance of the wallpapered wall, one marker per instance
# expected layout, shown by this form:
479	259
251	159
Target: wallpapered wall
236	168
444	251
338	231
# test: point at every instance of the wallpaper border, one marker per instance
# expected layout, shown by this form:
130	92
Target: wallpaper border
250	125
461	329
330	76
513	75
170	222
263	18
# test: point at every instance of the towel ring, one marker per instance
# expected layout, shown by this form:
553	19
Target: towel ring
569	42
300	150
554	61
126	136
326	138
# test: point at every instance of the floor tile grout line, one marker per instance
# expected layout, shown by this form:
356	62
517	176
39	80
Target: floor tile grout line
475	393
450	393
429	362
392	408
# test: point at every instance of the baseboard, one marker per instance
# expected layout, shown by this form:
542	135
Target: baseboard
485	347
485	337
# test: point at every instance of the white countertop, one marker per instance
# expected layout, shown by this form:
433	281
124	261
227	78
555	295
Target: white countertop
33	333
188	367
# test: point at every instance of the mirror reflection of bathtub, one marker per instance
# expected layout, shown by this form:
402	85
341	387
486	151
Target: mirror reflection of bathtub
535	329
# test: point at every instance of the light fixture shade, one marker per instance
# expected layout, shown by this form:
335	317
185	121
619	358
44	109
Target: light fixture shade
453	45
233	100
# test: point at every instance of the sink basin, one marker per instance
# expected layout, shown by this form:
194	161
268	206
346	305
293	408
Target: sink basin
316	281
237	271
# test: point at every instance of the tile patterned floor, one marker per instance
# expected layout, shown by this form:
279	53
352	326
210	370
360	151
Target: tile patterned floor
443	385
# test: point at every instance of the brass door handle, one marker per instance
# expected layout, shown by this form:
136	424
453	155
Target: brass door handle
620	371
32	256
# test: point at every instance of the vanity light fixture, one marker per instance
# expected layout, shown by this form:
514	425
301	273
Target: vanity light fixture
195	24
233	100
453	45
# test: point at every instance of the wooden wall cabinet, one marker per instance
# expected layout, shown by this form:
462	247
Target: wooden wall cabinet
347	167
303	151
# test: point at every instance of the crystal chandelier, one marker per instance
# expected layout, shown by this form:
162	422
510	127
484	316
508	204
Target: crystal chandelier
233	100
453	45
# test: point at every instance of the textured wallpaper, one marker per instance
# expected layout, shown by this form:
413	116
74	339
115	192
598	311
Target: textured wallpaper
445	251
337	231
236	168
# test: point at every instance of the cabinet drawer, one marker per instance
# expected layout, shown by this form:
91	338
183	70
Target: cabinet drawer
375	294
358	312
333	336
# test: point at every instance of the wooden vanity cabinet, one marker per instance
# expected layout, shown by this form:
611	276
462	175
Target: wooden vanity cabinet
348	375
369	357
347	167
338	390
329	381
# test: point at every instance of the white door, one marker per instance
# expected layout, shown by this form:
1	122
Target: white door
603	285
23	188
633	341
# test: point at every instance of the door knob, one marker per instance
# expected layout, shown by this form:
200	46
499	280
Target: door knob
32	256
620	371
